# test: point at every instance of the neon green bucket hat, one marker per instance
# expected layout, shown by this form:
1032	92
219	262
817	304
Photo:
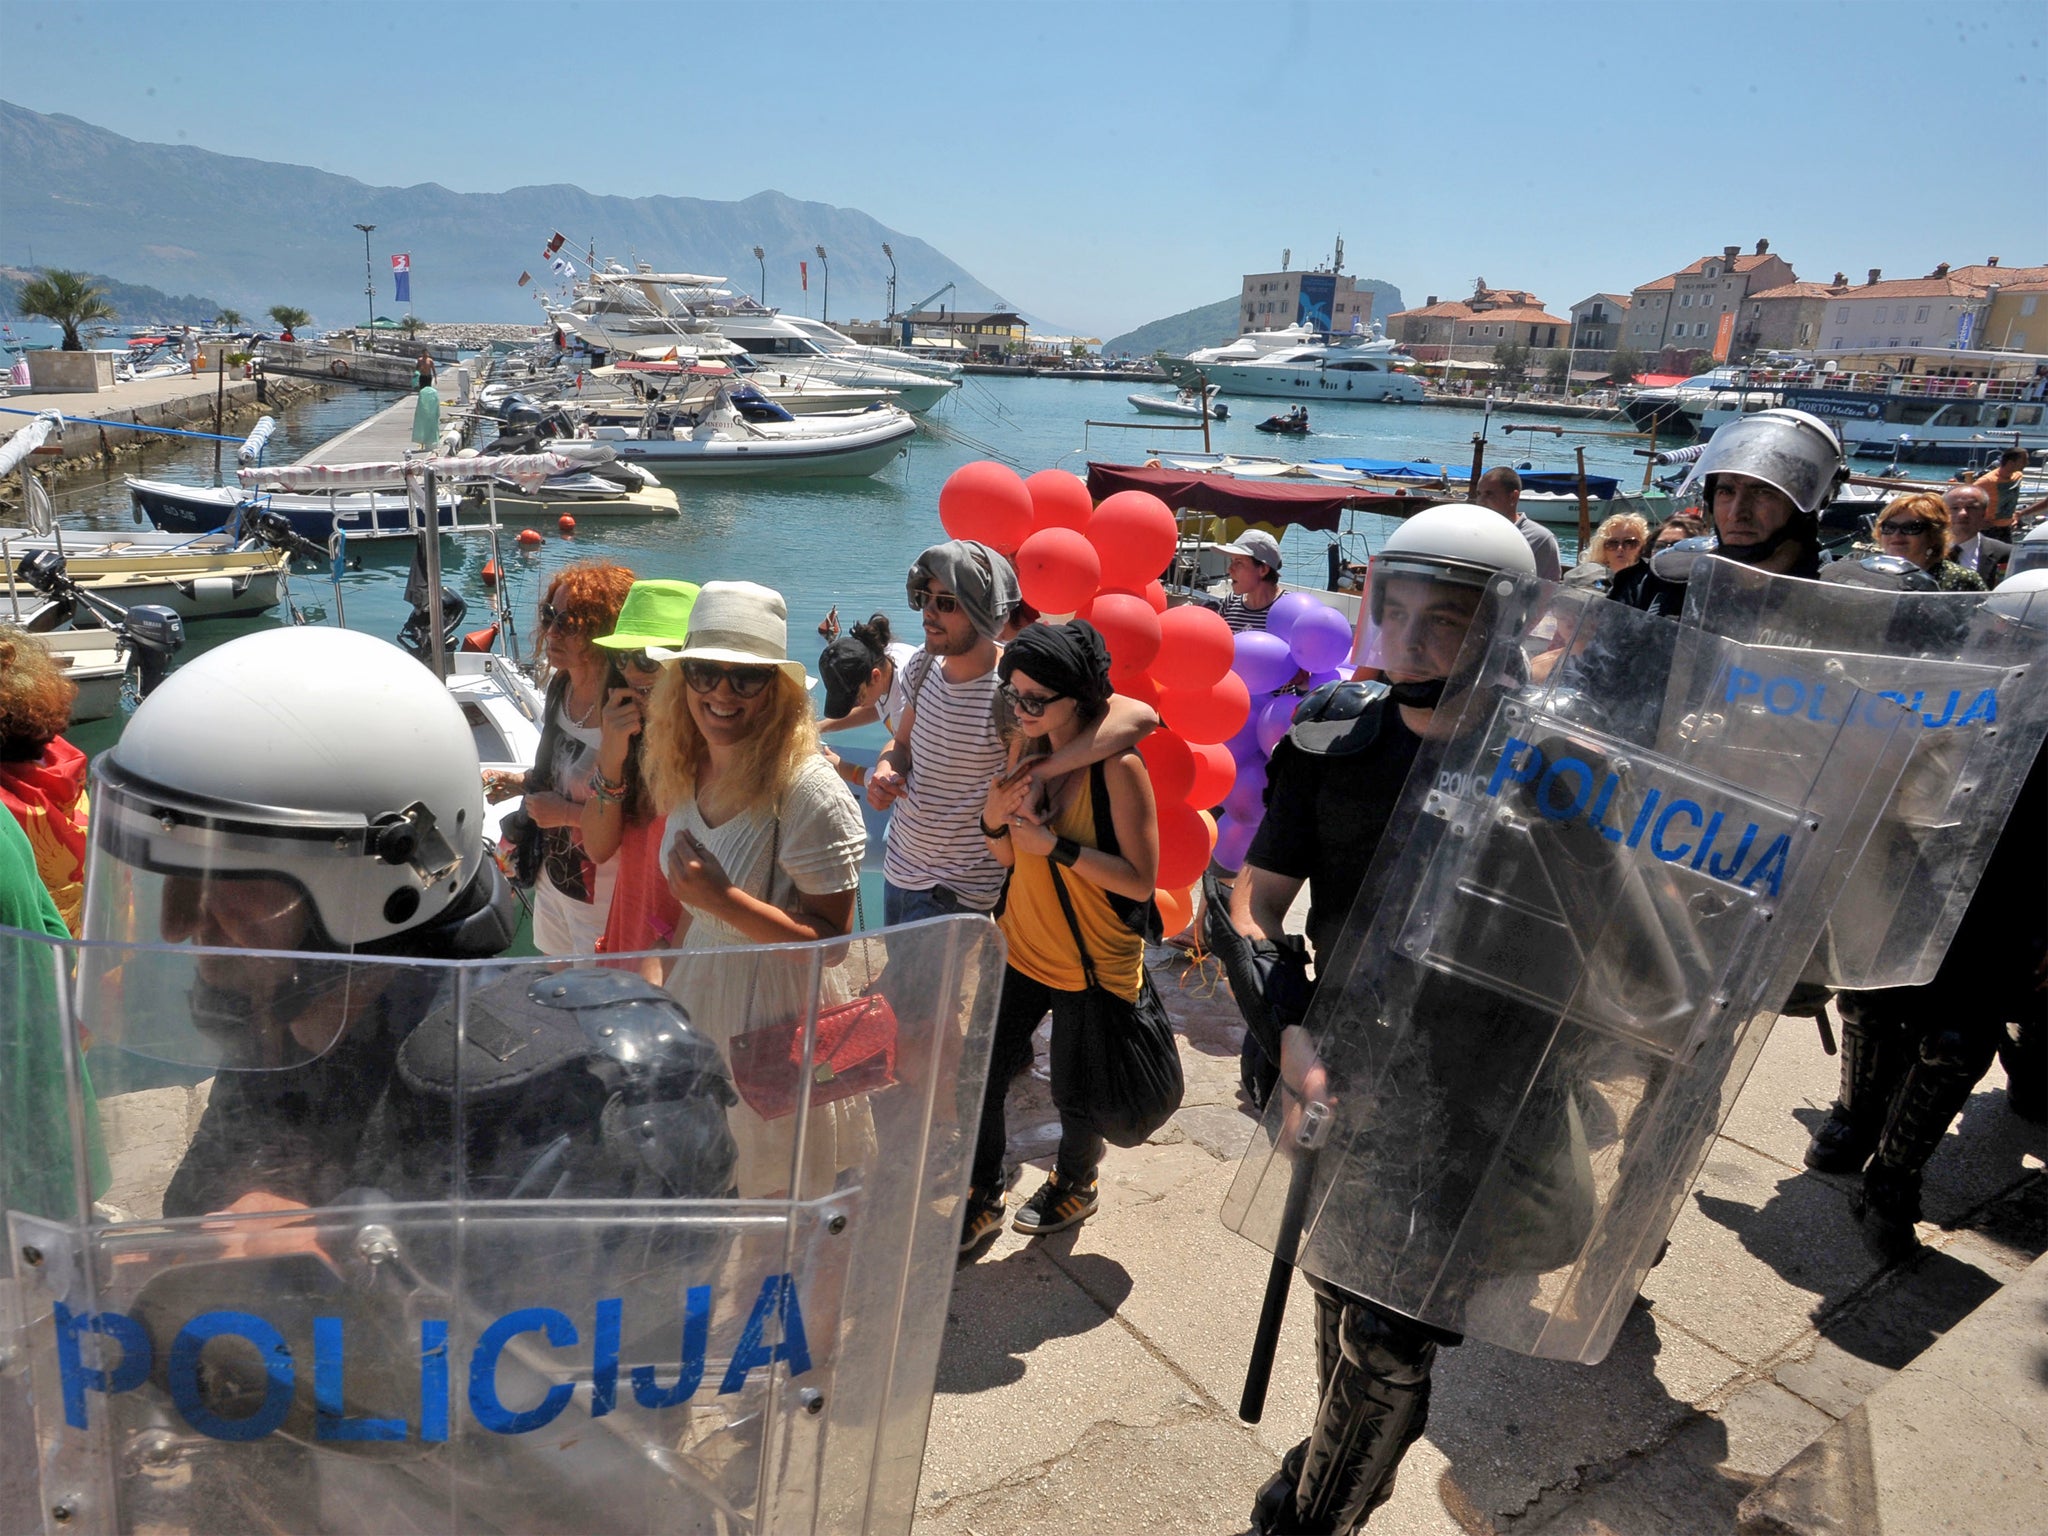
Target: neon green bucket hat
655	613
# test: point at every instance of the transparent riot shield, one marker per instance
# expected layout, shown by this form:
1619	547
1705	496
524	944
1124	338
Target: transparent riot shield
1551	987
487	1247
1970	669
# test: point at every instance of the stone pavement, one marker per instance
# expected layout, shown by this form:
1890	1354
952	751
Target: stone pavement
1090	1379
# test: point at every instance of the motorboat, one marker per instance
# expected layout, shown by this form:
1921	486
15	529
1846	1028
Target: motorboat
1914	418
611	490
362	514
50	605
504	712
213	576
1358	369
1293	424
721	432
1186	403
804	396
1677	410
838	344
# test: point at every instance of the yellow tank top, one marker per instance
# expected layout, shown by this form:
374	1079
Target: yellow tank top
1041	943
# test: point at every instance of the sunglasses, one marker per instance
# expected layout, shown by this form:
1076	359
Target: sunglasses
552	617
1912	528
745	682
1030	705
637	661
938	602
1624	543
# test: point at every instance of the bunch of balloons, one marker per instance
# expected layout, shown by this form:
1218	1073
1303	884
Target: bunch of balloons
1304	641
1215	692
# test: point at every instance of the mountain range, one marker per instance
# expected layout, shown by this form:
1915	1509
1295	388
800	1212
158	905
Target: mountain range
257	233
133	304
1211	324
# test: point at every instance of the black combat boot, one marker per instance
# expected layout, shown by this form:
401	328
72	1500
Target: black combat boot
1871	1062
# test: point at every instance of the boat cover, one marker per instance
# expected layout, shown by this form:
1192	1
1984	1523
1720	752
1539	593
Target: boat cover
31	437
1544	481
1257	501
526	470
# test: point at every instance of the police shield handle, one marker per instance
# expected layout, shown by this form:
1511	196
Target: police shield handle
1308	1138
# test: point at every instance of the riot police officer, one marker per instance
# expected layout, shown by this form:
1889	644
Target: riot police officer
1333	784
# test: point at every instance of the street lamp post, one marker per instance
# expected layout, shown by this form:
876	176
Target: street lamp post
828	280
369	273
892	276
762	257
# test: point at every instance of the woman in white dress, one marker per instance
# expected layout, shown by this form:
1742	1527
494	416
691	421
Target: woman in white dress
762	846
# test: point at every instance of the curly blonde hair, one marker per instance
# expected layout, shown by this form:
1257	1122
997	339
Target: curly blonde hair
35	696
1596	551
674	754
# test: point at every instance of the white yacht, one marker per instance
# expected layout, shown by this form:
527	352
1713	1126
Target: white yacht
1241	349
1353	368
645	311
837	344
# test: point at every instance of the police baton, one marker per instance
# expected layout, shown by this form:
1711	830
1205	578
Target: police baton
1258	1371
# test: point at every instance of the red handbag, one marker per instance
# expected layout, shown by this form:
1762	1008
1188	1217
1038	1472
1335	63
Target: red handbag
855	1053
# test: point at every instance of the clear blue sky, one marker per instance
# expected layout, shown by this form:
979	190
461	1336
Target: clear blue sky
1106	164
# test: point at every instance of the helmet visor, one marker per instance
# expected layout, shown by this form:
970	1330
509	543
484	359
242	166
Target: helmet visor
1415	615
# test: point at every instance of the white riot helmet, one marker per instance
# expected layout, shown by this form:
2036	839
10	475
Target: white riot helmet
325	770
1794	452
2029	554
1458	544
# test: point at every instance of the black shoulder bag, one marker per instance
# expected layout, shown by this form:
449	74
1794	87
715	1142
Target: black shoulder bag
1119	1073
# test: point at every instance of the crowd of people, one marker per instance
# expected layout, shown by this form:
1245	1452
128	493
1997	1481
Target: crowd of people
683	800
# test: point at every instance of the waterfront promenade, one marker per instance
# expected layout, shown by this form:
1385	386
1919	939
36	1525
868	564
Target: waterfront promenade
1090	1379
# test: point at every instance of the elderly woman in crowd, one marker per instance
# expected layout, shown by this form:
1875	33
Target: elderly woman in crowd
1080	870
1639	587
42	776
1618	543
573	892
762	845
1915	528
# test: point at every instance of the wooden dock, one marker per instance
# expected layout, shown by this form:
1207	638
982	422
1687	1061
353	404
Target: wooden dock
383	438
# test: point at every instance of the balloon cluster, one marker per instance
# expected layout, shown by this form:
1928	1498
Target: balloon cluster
1215	692
1302	636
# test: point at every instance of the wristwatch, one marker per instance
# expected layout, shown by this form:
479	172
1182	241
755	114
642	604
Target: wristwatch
1065	851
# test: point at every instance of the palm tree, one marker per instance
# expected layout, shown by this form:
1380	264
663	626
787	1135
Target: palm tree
228	319
413	325
64	298
288	318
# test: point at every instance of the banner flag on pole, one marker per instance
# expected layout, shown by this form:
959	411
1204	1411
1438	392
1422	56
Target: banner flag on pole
525	278
553	245
804	267
401	274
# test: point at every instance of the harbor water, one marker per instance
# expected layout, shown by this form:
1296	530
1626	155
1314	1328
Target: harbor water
826	544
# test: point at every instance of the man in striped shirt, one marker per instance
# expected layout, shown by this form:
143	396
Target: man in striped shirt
950	740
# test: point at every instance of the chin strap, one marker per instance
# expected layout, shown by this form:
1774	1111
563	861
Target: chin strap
1418	695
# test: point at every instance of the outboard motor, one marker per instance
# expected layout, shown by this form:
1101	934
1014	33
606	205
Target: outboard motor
155	634
412	635
275	529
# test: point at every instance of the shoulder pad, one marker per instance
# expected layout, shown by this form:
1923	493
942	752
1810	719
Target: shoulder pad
1338	719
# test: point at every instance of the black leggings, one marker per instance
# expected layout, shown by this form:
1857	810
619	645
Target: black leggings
1024	1003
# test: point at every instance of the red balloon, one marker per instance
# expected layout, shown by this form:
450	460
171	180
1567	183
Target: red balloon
1134	533
1129	628
986	501
1171	762
1059	499
1215	713
1057	570
1215	773
1185	839
1155	594
1195	647
1138	686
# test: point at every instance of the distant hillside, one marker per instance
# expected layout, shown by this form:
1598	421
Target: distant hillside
1214	323
132	302
258	233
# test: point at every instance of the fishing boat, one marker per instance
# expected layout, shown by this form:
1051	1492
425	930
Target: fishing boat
707	434
210	577
1185	403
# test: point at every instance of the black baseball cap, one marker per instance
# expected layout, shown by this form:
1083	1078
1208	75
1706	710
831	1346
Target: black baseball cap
845	665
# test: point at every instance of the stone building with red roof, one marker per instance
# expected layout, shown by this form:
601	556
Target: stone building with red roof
1683	309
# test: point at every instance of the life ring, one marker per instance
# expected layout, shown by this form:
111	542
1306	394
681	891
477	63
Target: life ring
339	367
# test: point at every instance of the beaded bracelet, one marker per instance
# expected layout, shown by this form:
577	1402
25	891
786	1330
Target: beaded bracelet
606	791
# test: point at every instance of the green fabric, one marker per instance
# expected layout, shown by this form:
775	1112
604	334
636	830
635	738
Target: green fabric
426	417
35	1128
655	613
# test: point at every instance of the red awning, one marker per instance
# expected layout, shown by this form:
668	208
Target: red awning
1256	501
1659	380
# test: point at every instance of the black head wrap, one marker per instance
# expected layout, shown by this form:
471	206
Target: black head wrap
1069	658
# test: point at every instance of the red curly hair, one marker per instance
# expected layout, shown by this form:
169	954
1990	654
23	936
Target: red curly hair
588	595
35	697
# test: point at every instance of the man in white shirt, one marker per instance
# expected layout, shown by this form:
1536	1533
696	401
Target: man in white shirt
1969	515
1500	490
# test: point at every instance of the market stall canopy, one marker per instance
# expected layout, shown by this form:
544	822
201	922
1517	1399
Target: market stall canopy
1256	501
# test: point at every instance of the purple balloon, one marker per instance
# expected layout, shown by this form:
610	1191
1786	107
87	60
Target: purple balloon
1247	797
1286	612
1273	716
1263	661
1334	675
1321	639
1233	840
1244	746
